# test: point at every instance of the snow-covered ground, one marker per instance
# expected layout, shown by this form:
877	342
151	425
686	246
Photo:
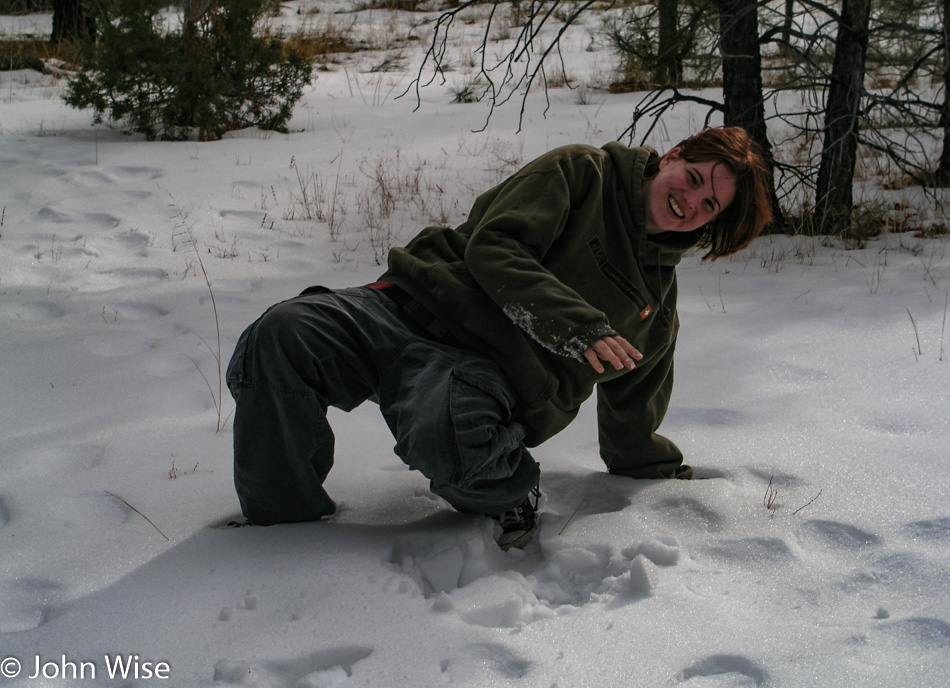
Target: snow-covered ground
813	382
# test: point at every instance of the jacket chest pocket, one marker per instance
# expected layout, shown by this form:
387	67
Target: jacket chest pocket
636	295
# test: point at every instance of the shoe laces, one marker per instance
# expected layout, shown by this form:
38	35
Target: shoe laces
519	514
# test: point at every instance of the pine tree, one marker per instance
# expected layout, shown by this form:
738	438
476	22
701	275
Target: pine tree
214	74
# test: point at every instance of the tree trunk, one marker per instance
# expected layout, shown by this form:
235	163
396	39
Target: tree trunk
742	80
787	28
71	21
666	72
834	192
942	176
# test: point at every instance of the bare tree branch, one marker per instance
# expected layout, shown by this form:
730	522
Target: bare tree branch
520	67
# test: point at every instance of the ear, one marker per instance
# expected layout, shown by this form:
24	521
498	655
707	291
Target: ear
670	156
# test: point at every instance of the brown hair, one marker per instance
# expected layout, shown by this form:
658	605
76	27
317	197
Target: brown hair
742	220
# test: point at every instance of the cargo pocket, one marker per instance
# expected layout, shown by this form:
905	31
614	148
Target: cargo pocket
490	444
236	376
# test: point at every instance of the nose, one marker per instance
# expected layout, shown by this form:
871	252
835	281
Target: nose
691	196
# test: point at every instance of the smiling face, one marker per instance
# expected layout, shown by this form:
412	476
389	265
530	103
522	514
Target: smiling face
684	195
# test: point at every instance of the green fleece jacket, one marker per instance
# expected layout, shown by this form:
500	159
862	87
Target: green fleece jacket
550	260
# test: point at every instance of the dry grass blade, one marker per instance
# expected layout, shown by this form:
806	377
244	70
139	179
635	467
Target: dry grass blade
216	353
808	504
916	333
580	504
140	514
943	328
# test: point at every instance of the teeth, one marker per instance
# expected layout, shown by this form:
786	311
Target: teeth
674	206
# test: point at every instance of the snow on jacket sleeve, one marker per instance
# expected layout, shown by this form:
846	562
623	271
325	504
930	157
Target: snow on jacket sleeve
514	230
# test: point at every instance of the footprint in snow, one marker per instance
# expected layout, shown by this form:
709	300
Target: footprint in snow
895	426
724	670
887	574
93	178
58	459
48	214
918	633
123	172
689	513
52	172
25	603
590	495
134	310
222	299
100	176
603	503
4	512
466	574
52	215
116	278
138	243
321	669
252	215
935	530
751	551
794	374
100	219
838	535
469	665
778	479
31	311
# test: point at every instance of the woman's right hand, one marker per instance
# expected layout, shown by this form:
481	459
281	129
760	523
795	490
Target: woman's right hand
615	351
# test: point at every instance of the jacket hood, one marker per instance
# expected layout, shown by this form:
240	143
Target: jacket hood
664	249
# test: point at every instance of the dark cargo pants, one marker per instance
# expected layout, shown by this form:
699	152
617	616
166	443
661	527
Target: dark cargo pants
450	410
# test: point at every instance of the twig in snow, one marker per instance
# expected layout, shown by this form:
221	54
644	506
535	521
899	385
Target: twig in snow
770	494
808	504
721	302
916	334
216	353
943	328
580	504
139	513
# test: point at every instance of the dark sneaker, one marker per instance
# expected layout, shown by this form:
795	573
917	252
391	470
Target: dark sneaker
684	472
518	525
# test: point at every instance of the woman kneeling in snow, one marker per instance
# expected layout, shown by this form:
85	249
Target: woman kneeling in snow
483	340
